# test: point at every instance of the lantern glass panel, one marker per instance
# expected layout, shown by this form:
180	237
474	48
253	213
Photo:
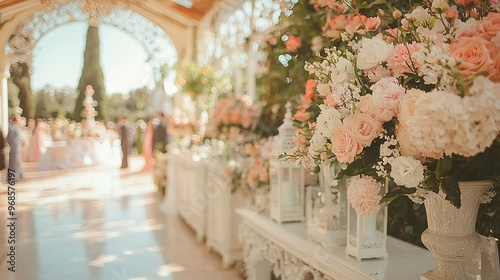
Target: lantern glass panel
273	180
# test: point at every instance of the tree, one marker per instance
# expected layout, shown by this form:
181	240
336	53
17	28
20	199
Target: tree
65	101
21	77
43	104
92	75
117	106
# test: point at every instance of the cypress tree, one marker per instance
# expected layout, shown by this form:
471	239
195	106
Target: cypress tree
21	77
91	75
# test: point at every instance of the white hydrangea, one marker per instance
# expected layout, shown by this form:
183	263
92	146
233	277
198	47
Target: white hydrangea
328	121
482	120
434	124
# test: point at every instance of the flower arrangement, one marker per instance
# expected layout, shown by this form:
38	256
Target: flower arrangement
255	166
233	119
181	124
85	129
342	24
197	81
417	104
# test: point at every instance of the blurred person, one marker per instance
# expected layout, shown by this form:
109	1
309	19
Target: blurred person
147	145
2	151
25	138
15	141
123	130
160	134
37	141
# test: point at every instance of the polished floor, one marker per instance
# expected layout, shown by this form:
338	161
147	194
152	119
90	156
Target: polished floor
100	223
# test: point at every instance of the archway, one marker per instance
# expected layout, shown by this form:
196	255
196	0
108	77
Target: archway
26	34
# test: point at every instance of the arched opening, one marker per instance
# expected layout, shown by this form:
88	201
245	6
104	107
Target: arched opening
149	49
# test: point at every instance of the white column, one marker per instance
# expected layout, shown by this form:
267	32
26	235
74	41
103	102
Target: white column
252	67
4	93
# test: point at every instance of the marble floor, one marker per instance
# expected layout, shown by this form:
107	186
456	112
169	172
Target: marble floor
100	223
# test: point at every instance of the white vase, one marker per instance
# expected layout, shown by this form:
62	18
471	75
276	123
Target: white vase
450	235
261	199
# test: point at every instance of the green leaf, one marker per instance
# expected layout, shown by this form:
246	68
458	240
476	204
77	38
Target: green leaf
443	166
390	196
316	169
431	183
352	169
449	185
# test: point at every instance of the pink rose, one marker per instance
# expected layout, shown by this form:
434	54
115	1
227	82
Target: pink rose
364	128
335	25
489	26
246	119
365	105
451	13
495	74
293	43
310	94
344	146
301	115
407	104
235	116
330	101
474	55
372	23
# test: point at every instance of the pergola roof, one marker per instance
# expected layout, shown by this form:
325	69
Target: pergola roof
171	10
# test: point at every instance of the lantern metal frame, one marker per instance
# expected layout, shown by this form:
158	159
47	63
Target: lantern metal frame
287	180
367	235
330	230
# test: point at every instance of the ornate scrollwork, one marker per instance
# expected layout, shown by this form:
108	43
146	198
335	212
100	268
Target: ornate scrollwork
150	36
284	264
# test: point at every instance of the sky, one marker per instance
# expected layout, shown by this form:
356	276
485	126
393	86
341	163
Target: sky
58	59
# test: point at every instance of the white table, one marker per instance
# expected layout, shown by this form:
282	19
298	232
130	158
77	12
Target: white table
285	250
187	173
223	223
79	152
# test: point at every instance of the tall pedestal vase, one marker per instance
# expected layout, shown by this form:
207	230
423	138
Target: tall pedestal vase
450	235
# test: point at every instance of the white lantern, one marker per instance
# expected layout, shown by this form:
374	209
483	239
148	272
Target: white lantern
328	225
367	234
286	179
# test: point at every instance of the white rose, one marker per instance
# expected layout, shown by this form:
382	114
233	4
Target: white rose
318	142
328	122
419	14
373	51
440	4
343	71
407	171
